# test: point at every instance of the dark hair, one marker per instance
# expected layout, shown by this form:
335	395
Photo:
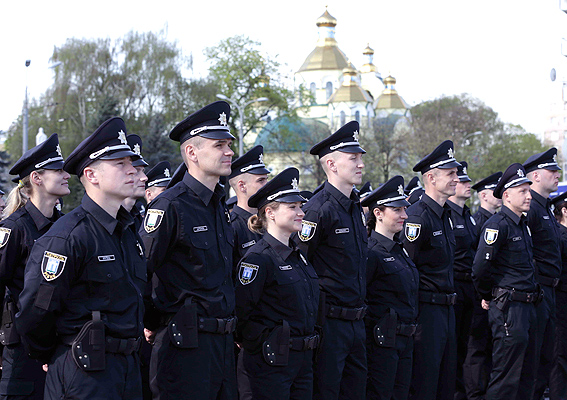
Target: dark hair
257	223
557	210
371	220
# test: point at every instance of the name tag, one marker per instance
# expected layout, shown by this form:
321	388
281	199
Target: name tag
248	244
389	259
341	230
200	228
460	227
437	233
285	267
109	257
515	239
546	217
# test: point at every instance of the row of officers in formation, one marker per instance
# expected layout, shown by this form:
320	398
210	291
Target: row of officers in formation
283	298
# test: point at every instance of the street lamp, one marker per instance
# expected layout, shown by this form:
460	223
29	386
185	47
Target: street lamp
25	128
240	107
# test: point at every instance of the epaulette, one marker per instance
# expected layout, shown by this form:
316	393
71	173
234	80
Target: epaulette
63	227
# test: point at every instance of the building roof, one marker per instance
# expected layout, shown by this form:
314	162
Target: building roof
390	97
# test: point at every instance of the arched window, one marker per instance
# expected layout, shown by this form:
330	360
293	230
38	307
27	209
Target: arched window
343	118
329	89
357	116
313	90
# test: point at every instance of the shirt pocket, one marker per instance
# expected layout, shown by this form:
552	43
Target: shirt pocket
287	277
105	278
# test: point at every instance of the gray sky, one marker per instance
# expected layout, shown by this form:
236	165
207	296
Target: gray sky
500	51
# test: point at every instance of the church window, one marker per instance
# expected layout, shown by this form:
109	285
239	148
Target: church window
329	89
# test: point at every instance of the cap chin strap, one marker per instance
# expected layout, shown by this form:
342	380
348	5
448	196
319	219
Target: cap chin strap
252	167
441	163
282	192
48	161
343	144
513	181
152	183
196	131
99	153
549	164
390	199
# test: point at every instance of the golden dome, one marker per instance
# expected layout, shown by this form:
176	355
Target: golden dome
350	93
349	70
326	19
368	50
390	98
325	57
389	80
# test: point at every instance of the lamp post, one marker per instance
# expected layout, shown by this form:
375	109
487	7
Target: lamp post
240	107
25	128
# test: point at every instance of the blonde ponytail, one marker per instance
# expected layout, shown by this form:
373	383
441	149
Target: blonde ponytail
18	197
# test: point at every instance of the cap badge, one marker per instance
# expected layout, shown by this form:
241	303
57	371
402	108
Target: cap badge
58	150
222	119
355	136
137	149
261	158
122	137
520	173
294	184
401	190
166	173
555	158
451	153
465	170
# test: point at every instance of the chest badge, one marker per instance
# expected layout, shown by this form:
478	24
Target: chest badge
4	236
412	231
490	236
247	273
153	219
307	230
52	265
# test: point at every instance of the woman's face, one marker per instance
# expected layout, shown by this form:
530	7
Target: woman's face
287	217
392	218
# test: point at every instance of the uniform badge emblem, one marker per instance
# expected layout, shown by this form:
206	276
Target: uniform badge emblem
363	218
303	259
122	137
451	223
4	236
307	230
52	265
153	219
222	119
167	173
58	150
412	231
490	236
247	273
529	231
473	221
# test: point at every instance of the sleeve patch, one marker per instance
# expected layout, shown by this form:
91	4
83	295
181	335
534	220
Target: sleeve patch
307	230
153	219
490	236
52	265
44	295
488	253
412	231
4	236
247	273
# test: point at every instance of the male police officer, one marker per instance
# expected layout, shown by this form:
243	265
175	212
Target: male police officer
189	246
466	236
430	242
335	241
543	171
504	275
479	352
413	190
140	179
158	179
81	307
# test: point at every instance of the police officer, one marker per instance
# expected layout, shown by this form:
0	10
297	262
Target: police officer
466	236
479	352
362	193
430	242
158	178
277	296
335	241
82	306
543	171
414	190
140	179
504	275
42	181
558	378
189	246
392	295
248	174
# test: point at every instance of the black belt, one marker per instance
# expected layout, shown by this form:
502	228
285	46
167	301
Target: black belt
304	343
112	345
348	314
438	298
222	326
547	281
463	276
406	329
516	295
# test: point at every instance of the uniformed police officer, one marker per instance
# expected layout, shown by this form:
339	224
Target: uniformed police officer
335	241
542	169
277	296
430	242
478	363
466	236
392	295
82	306
140	179
362	193
41	181
558	378
504	275
189	247
414	190
158	178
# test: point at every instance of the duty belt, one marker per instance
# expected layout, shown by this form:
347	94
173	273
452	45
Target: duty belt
304	343
112	345
516	295
348	314
438	298
406	329
547	281
223	326
463	276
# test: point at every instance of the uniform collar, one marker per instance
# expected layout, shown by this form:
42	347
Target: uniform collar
241	212
437	209
40	220
344	201
455	207
202	192
280	248
512	215
485	212
539	198
105	219
388	244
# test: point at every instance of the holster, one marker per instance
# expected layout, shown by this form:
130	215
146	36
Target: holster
276	347
8	334
88	348
183	330
540	295
385	330
502	300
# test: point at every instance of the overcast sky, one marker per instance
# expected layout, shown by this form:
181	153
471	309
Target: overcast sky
499	51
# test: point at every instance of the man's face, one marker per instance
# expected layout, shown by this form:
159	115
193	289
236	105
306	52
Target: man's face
549	179
254	182
116	177
463	190
214	156
492	201
349	167
519	198
140	179
446	180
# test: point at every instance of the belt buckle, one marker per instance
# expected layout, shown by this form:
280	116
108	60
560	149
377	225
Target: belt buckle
555	282
360	312
529	297
229	324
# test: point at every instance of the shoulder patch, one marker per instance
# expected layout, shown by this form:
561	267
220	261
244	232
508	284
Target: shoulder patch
4	236
490	236
247	273
52	265
307	230
412	231
153	219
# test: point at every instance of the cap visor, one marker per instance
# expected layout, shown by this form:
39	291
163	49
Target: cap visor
291	198
140	163
452	164
464	179
525	180
398	203
217	135
118	154
259	171
352	149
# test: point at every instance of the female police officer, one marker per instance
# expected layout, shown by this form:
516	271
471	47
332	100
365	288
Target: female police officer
392	290
30	212
277	296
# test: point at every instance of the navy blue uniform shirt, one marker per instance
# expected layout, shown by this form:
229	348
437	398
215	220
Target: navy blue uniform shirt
244	238
392	280
466	237
189	246
504	257
429	240
335	241
88	261
481	216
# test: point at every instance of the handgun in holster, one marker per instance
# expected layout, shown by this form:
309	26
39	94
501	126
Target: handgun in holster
385	330
88	348
276	346
183	330
8	334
